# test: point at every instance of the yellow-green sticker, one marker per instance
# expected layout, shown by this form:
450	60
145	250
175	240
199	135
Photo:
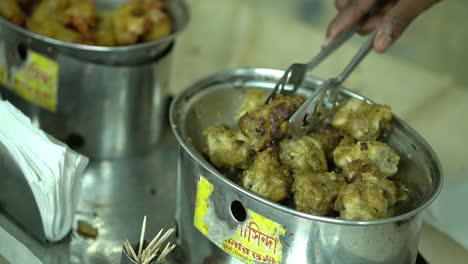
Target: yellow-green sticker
255	240
3	66
204	190
36	81
258	240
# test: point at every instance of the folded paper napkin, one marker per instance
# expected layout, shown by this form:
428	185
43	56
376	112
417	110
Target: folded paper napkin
52	170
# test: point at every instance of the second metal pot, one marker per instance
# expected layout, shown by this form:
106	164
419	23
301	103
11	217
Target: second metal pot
106	102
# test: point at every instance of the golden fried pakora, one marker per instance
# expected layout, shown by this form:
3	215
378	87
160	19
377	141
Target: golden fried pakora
361	120
78	21
140	20
267	177
159	24
128	22
304	155
316	192
361	201
11	11
329	138
253	99
104	35
54	29
227	147
331	171
44	21
375	152
359	171
269	122
80	15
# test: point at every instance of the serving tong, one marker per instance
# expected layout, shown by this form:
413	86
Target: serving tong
320	106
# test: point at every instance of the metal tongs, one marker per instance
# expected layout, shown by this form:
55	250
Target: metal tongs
320	106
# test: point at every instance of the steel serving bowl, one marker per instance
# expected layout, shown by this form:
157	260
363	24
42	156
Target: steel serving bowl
115	55
208	221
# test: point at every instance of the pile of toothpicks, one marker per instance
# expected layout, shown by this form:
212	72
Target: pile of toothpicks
148	254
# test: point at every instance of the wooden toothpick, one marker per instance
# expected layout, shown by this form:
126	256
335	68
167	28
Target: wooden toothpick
155	239
132	252
147	254
142	236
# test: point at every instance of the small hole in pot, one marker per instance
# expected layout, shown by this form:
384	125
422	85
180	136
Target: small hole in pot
75	141
22	51
238	211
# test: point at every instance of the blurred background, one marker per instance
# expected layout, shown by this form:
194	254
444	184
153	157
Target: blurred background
273	33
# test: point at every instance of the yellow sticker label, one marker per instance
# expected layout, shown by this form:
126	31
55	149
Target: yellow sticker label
36	81
204	190
3	66
256	240
3	76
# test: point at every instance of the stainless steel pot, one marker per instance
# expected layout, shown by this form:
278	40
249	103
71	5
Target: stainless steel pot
220	222
109	102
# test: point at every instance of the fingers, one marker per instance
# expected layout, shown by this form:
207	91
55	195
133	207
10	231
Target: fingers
351	12
375	20
398	15
371	25
396	20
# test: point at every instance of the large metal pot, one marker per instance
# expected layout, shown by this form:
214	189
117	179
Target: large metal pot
108	102
220	222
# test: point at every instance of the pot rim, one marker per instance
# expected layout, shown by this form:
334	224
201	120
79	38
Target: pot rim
76	47
207	82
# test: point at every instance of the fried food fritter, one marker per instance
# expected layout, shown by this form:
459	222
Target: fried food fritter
77	21
253	99
267	177
80	15
54	29
44	21
269	122
129	22
330	171
304	155
159	24
361	120
139	19
316	192
329	138
361	201
227	147
374	152
364	200
48	9
11	11
359	171
104	35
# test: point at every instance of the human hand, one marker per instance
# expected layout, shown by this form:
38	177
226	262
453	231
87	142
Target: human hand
390	21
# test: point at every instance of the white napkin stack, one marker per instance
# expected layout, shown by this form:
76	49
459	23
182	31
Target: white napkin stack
52	170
